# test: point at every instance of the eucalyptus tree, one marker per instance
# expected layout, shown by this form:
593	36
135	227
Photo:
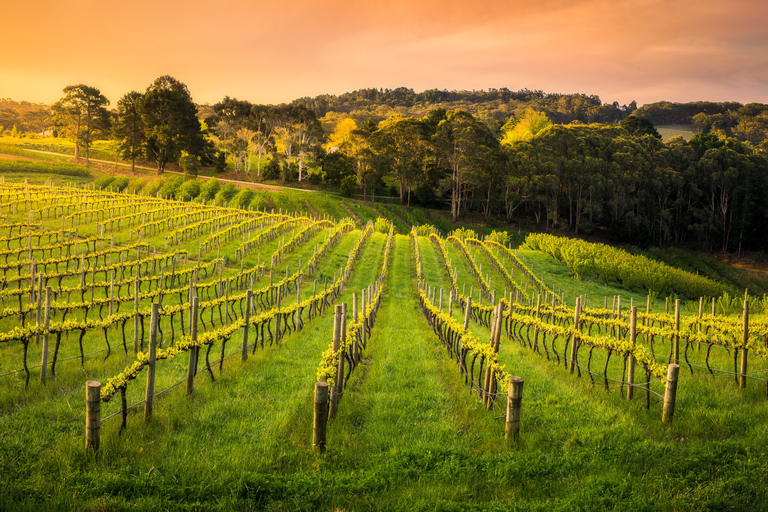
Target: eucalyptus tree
82	115
129	128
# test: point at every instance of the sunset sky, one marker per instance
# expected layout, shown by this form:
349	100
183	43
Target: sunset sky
274	52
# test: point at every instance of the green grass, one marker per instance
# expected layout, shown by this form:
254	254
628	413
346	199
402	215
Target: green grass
408	435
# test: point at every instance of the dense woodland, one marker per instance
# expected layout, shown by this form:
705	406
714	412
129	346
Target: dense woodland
562	161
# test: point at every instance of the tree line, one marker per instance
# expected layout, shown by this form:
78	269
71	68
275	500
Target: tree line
615	177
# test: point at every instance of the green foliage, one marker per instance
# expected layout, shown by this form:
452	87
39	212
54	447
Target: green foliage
349	186
189	190
464	234
224	194
120	184
103	182
136	185
190	164
209	189
382	225
633	271
524	127
424	229
272	170
151	188
171	187
242	199
500	237
60	168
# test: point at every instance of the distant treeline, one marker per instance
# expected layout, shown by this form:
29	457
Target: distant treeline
26	117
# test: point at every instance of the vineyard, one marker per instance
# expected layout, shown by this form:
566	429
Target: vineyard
288	355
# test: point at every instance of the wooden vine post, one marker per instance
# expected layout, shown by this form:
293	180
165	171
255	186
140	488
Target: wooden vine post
574	338
744	347
467	311
149	398
248	307
92	415
632	340
194	349
670	393
676	356
336	346
514	401
46	325
320	421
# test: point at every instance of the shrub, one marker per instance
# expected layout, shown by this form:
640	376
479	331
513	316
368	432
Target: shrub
151	188
120	184
224	194
501	237
171	187
209	189
424	229
189	190
103	182
382	225
272	170
348	186
464	233
242	199
136	185
190	164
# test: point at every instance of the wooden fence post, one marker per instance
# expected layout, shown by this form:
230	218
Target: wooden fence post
336	346
321	416
670	393
677	332
355	348
46	325
193	351
575	339
467	311
149	398
632	340
744	348
248	306
92	415
514	400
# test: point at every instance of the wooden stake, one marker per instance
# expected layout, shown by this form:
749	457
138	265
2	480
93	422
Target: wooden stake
92	415
321	416
193	351
744	347
467	311
574	339
677	332
248	306
149	398
514	402
336	345
46	324
670	392
632	339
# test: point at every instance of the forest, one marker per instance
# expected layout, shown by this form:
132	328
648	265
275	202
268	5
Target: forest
566	162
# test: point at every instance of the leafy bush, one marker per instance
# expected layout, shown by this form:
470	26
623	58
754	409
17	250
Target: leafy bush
224	194
464	233
151	188
315	177
242	199
501	237
171	187
382	225
209	189
424	229
272	170
136	185
103	182
348	186
189	190
120	184
190	164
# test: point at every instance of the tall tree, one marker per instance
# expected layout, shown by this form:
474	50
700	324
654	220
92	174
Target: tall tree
82	115
297	130
399	144
170	122
129	129
465	145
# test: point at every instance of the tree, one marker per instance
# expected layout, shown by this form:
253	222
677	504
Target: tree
524	127
465	146
639	126
297	130
129	130
82	115
170	122
399	144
